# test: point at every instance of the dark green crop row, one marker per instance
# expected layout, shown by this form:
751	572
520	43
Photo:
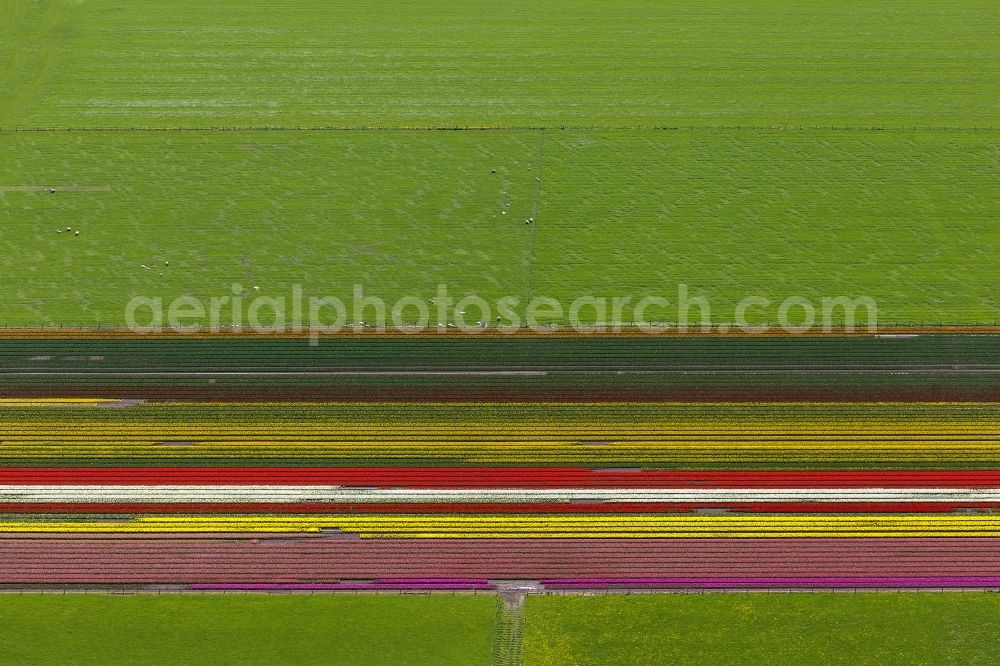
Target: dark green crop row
254	355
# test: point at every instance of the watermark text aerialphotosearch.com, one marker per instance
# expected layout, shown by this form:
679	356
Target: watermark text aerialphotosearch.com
298	312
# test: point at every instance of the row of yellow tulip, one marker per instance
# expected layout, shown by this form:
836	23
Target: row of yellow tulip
529	525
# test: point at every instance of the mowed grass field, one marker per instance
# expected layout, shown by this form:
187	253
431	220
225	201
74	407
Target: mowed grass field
264	629
907	218
395	212
911	628
904	216
551	62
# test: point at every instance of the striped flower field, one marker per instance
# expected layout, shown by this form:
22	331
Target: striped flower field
351	496
503	333
659	435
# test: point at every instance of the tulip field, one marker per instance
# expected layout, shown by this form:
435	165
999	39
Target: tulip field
605	435
460	495
550	332
521	471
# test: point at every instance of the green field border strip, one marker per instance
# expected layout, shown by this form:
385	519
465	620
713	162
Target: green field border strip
511	128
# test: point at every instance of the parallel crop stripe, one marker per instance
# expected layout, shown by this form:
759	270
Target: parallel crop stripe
583	507
967	457
511	426
494	477
897	455
540	439
529	526
540	434
52	402
847	582
327	493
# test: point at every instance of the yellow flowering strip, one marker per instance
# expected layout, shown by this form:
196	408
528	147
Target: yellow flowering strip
53	402
505	434
410	526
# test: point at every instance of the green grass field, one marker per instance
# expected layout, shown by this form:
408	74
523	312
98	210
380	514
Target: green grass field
911	628
265	629
905	218
908	219
396	212
435	62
